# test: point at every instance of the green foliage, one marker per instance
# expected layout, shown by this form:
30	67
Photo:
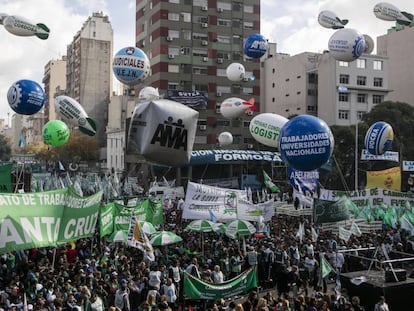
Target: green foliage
5	148
342	177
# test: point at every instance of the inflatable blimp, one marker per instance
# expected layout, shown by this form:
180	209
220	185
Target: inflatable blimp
73	113
234	107
328	19
388	12
21	26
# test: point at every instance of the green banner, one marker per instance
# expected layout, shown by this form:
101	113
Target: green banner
195	288
106	219
331	211
42	219
5	178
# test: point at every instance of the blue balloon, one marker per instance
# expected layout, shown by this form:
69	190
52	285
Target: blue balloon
131	65
255	46
379	138
306	143
26	97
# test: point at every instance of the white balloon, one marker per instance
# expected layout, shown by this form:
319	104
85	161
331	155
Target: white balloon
149	93
235	72
234	107
346	44
225	138
329	19
265	128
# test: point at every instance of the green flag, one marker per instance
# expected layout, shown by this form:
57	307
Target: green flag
5	178
324	269
269	184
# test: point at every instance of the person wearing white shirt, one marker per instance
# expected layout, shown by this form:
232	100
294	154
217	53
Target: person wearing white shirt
218	276
381	305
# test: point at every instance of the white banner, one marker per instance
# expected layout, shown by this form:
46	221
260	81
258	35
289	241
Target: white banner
252	212
373	197
408	166
221	204
387	156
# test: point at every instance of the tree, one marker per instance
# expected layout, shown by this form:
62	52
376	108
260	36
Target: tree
5	148
342	177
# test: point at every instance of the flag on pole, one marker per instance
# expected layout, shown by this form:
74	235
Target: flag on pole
301	232
324	269
406	224
314	235
344	234
355	229
138	239
269	184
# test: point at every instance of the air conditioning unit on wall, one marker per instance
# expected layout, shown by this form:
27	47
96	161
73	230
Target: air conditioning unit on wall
169	39
202	127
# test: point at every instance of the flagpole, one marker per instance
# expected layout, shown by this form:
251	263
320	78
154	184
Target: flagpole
356	155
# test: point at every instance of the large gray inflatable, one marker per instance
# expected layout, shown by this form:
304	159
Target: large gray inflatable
163	132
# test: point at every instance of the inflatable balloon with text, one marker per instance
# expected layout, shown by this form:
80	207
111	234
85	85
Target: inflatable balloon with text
379	138
265	128
55	133
26	97
346	45
306	143
131	66
255	46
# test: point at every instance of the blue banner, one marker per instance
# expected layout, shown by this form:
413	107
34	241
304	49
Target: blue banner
200	157
304	181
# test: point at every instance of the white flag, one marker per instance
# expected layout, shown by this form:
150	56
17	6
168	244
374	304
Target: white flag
301	232
314	235
344	234
355	229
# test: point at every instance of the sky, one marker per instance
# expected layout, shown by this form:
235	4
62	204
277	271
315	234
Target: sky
292	24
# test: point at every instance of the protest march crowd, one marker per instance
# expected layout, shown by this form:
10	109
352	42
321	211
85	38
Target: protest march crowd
94	274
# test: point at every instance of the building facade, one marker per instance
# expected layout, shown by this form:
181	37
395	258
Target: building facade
317	84
190	44
54	80
89	71
397	45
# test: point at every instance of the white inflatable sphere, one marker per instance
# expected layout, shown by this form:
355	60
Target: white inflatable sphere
225	139
148	93
346	44
235	72
265	128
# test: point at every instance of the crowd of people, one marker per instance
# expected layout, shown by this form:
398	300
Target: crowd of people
94	275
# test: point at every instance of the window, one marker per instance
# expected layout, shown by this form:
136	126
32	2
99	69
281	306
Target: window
361	98
237	6
186	17
185	50
174	1
344	79
200	36
173	68
361	80
199	52
343	97
199	70
223	89
312	92
247	90
221	72
172	50
224	5
200	19
248	25
172	85
343	114
200	87
343	64
224	22
311	108
377	99
360	115
248	8
173	16
378	82
236	23
312	78
223	39
224	55
273	85
173	33
186	34
200	3
377	65
360	63
221	122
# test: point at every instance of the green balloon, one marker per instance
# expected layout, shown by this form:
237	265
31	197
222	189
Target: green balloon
55	133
